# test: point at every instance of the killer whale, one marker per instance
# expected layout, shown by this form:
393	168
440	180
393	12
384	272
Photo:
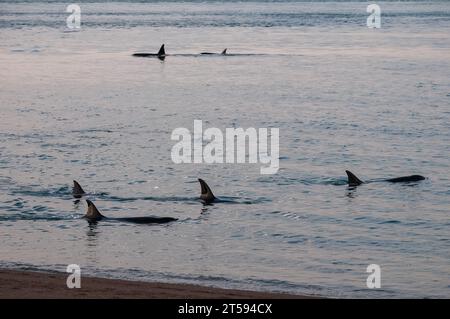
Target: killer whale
93	215
160	55
224	52
355	181
206	195
77	190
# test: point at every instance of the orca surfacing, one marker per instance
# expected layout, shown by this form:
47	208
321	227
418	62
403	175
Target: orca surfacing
93	215
224	52
160	55
355	181
206	195
77	190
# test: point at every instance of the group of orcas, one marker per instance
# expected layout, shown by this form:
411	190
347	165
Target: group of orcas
94	215
161	54
206	196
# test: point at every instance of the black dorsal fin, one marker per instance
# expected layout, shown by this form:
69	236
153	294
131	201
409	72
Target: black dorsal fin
92	211
77	190
352	179
161	51
206	194
224	52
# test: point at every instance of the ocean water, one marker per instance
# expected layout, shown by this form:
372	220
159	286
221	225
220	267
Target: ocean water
77	105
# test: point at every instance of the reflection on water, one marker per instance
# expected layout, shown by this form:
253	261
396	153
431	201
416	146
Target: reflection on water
92	239
92	233
351	191
76	204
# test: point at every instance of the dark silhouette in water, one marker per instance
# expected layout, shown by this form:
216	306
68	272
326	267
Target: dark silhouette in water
206	195
355	181
224	52
93	215
77	190
160	55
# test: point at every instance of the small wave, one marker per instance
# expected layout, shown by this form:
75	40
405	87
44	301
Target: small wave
288	215
390	222
281	181
242	201
57	192
105	196
93	130
33	217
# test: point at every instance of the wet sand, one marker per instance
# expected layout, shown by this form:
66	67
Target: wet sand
18	284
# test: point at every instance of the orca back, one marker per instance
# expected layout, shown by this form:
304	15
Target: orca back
147	220
405	179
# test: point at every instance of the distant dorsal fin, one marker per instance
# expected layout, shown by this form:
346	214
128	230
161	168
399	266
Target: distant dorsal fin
224	52
92	211
206	193
161	51
77	190
352	179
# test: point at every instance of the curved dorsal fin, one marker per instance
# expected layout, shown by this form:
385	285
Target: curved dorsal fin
77	190
206	193
224	52
352	179
92	211
161	51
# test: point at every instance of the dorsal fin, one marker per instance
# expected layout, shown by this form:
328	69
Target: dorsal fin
92	211
77	190
224	52
352	179
161	51
206	193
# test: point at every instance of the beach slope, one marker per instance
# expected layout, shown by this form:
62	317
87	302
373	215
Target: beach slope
18	284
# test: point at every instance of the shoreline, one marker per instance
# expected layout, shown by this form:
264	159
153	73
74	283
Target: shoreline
24	284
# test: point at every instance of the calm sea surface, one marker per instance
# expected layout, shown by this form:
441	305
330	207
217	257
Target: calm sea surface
77	105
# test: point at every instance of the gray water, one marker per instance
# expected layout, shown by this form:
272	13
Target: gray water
76	105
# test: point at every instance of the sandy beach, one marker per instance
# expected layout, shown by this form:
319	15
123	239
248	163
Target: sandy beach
15	284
